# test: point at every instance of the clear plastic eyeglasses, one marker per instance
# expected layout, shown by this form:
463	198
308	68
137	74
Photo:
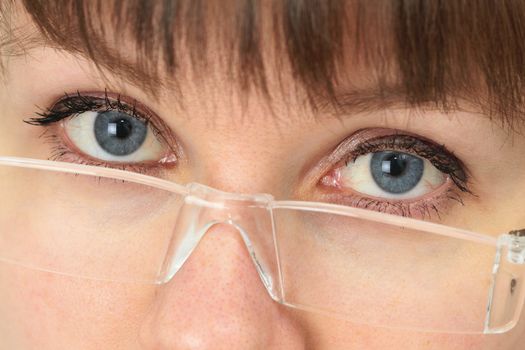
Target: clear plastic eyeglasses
363	266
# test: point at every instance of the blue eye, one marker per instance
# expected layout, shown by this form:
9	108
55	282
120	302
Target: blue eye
114	136
118	133
391	174
103	130
396	172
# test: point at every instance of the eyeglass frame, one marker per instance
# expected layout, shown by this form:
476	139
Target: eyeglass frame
511	243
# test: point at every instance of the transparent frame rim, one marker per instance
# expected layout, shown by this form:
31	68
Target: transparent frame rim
513	247
265	200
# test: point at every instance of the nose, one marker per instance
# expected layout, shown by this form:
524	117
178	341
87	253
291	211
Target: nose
217	301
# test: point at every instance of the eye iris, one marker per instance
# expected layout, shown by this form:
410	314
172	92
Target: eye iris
118	133
396	172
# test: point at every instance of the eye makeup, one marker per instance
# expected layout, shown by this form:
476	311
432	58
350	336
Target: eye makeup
62	121
398	145
438	155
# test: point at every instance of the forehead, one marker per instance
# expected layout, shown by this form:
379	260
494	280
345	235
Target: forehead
425	52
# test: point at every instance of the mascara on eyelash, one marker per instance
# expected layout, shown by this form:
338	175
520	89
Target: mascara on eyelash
74	105
438	155
375	140
71	105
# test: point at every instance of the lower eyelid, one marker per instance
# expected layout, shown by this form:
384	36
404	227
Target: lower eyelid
431	205
428	207
63	150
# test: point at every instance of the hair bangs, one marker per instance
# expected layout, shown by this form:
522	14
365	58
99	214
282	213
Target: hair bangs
435	51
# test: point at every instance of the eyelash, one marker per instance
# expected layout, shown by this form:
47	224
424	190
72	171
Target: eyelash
71	106
438	155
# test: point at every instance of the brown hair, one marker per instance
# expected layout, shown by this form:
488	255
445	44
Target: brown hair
438	49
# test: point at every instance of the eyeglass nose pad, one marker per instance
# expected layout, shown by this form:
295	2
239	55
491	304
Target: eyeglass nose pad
197	216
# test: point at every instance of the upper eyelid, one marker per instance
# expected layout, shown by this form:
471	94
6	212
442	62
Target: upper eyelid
346	152
402	141
355	144
95	101
117	102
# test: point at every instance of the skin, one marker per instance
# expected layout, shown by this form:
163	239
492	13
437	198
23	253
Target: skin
217	300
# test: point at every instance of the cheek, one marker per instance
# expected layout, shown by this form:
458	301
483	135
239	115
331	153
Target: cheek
382	275
326	333
47	311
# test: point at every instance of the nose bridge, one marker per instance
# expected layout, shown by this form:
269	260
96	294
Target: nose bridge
250	215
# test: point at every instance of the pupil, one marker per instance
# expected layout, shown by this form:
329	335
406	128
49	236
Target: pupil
394	165
122	128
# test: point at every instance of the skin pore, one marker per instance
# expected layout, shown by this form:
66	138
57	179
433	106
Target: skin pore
235	141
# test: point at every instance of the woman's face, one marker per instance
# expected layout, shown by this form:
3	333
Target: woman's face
214	133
